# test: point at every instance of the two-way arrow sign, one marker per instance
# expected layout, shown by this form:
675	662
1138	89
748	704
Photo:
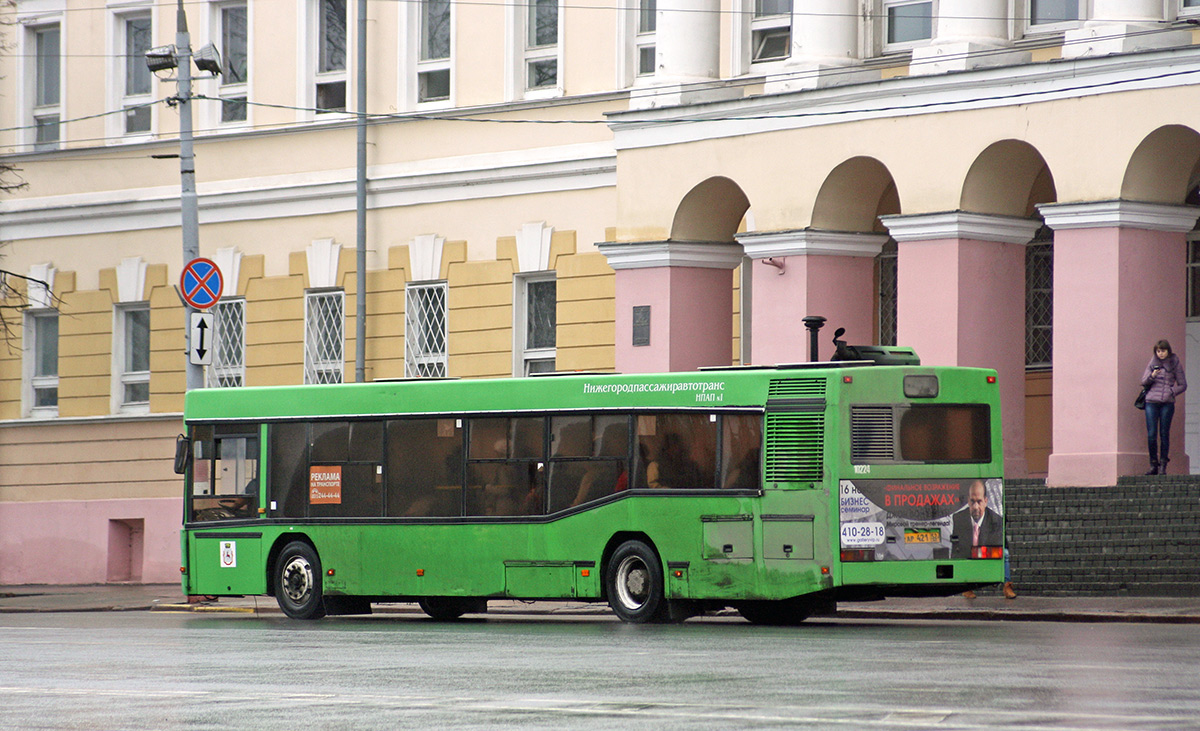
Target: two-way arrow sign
200	339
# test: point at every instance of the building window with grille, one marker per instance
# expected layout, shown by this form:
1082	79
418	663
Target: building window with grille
47	85
1039	300
41	353
541	45
132	361
228	369
771	30
535	324
331	56
425	330
324	336
907	22
235	62
886	289
647	27
135	77
433	65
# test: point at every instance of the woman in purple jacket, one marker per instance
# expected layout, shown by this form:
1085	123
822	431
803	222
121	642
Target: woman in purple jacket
1164	380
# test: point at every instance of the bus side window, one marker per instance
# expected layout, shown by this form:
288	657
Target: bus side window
679	450
346	469
225	474
505	467
741	451
424	468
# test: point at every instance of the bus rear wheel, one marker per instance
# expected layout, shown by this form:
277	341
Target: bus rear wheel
298	582
634	582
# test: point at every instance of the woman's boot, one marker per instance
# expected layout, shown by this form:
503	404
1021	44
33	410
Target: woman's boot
1162	465
1153	467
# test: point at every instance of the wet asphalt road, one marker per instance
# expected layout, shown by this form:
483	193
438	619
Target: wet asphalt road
159	670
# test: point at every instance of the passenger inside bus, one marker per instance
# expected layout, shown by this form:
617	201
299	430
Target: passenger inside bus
608	474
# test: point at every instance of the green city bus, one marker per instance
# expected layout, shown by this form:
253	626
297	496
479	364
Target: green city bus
777	491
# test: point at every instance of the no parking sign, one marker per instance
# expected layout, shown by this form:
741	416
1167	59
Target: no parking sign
201	283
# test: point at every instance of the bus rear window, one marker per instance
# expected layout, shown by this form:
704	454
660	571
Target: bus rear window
920	433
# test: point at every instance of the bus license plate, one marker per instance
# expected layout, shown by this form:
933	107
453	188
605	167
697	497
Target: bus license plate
922	536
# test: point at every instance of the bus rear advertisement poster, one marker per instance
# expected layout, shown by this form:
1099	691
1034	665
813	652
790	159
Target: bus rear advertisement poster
907	520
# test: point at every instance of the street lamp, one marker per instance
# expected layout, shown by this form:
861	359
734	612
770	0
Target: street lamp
179	57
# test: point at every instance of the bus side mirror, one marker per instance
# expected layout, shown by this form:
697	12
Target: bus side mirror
183	454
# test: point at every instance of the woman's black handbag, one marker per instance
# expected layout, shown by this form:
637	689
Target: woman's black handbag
1140	401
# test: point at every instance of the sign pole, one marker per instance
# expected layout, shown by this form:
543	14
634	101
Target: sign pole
187	171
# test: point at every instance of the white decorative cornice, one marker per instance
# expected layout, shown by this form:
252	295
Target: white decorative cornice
1120	214
985	88
229	261
961	225
41	286
533	247
810	241
425	257
470	177
323	257
131	279
649	254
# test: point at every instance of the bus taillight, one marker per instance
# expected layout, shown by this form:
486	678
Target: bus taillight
859	554
987	552
991	379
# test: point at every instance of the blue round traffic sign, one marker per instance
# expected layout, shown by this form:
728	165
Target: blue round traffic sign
201	283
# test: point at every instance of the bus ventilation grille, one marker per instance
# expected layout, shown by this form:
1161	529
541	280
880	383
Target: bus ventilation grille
872	434
796	388
795	446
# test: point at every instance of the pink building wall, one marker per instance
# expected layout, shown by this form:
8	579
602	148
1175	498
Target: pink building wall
90	541
838	288
1117	290
691	316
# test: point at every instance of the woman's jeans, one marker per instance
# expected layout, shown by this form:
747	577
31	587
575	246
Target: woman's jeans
1158	420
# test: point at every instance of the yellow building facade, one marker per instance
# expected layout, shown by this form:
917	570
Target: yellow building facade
534	171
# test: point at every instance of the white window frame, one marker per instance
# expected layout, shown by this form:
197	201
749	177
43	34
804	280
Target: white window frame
33	382
424	66
44	111
885	25
226	90
645	40
323	369
1187	11
121	100
228	372
420	360
521	55
524	356
311	62
1083	8
123	378
764	25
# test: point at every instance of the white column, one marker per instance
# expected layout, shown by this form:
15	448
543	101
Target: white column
967	34
1119	26
687	53
687	40
824	43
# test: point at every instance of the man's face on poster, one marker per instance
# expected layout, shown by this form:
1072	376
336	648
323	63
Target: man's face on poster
977	500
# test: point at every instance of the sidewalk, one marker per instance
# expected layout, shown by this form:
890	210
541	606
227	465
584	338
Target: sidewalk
169	597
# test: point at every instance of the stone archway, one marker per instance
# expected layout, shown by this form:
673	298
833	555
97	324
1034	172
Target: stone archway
711	211
854	195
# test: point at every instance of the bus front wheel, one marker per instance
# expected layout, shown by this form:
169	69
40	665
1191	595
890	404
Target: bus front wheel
634	582
298	582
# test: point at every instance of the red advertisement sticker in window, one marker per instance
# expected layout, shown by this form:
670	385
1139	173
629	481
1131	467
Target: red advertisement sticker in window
325	485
